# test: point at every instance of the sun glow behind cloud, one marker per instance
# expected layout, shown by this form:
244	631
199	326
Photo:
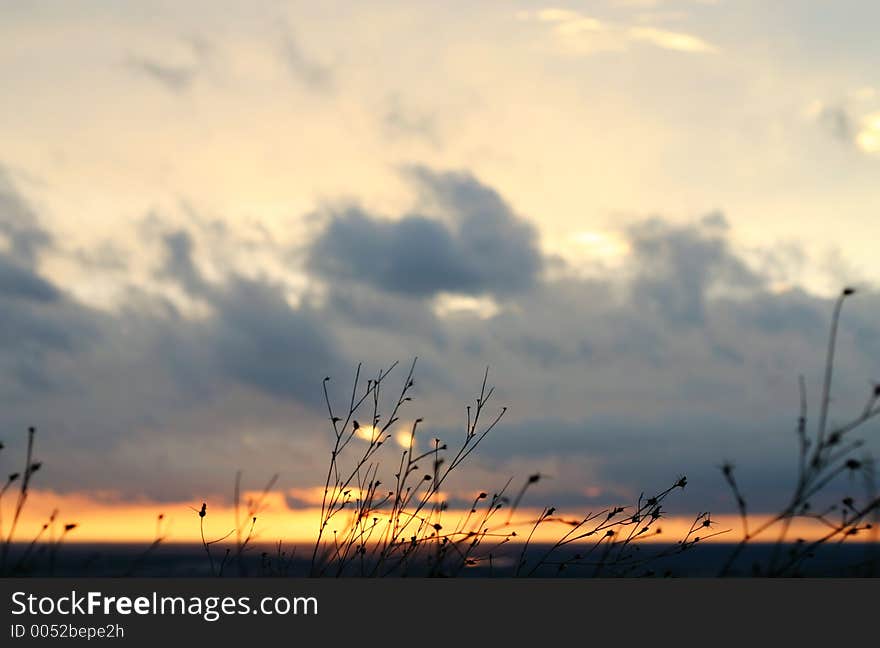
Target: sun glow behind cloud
868	138
449	305
607	246
588	253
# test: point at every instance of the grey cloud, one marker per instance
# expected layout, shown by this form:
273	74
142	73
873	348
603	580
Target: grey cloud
592	376
16	281
649	456
36	320
546	353
25	239
414	256
255	336
19	225
790	312
598	374
176	78
645	318
481	248
837	122
179	263
145	400
37	340
263	342
106	257
677	264
370	308
665	388
501	247
402	121
314	75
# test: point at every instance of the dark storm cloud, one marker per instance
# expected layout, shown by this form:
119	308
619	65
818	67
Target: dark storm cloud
482	247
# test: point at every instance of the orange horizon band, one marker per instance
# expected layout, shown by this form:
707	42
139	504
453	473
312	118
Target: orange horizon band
103	518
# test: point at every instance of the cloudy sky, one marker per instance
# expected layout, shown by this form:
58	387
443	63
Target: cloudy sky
637	212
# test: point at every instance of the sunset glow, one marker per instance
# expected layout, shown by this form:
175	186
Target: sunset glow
112	520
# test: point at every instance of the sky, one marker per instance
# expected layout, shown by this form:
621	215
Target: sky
637	213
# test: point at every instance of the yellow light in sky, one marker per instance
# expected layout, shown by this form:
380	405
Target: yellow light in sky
403	439
604	245
449	305
368	432
868	138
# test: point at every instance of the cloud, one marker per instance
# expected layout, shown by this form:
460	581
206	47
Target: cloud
179	263
854	121
24	236
121	394
176	78
403	121
680	359
670	40
482	247
261	341
314	75
253	334
678	264
582	34
17	281
837	122
36	319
